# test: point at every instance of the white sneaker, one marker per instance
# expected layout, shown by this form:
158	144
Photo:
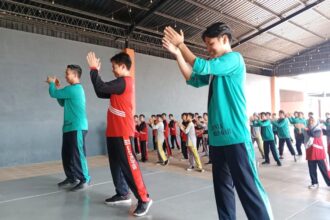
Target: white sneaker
313	186
190	168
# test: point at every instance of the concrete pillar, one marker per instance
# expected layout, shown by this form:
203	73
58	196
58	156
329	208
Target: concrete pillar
275	95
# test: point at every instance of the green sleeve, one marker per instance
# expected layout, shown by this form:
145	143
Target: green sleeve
279	124
198	81
265	123
275	124
256	123
326	123
220	66
64	93
260	123
292	120
61	102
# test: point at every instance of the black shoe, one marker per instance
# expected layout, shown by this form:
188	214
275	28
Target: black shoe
142	208
80	186
67	182
265	162
166	163
209	162
279	163
117	200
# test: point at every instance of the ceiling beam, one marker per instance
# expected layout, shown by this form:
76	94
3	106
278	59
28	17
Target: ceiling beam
152	10
271	49
314	9
161	14
210	9
279	16
62	7
278	23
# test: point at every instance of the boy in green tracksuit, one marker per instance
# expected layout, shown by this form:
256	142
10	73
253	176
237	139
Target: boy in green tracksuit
75	126
299	124
282	125
268	138
231	149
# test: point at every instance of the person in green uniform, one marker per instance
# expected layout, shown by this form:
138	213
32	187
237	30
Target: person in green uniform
282	125
299	124
267	137
75	127
232	154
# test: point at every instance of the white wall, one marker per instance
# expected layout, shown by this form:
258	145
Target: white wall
258	94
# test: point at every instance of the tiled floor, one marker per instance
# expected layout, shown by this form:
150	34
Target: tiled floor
30	192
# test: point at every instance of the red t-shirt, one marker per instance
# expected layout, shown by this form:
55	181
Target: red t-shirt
120	112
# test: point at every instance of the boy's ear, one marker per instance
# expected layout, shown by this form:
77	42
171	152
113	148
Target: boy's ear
225	39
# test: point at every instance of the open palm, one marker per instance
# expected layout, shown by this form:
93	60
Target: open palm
170	47
93	61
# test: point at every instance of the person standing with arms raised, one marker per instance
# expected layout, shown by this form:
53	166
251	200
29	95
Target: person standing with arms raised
125	169
232	154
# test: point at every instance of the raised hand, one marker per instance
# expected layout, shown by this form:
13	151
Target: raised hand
93	61
50	79
57	83
170	47
173	37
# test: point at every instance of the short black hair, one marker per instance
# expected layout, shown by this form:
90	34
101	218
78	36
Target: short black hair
262	113
153	115
196	113
199	117
159	116
163	114
142	115
136	116
122	58
281	112
170	115
268	113
191	114
75	68
205	114
217	29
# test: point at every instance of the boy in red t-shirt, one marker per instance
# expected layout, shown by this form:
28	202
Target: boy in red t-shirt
125	170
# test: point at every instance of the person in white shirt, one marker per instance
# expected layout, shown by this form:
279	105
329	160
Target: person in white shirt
160	139
191	144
